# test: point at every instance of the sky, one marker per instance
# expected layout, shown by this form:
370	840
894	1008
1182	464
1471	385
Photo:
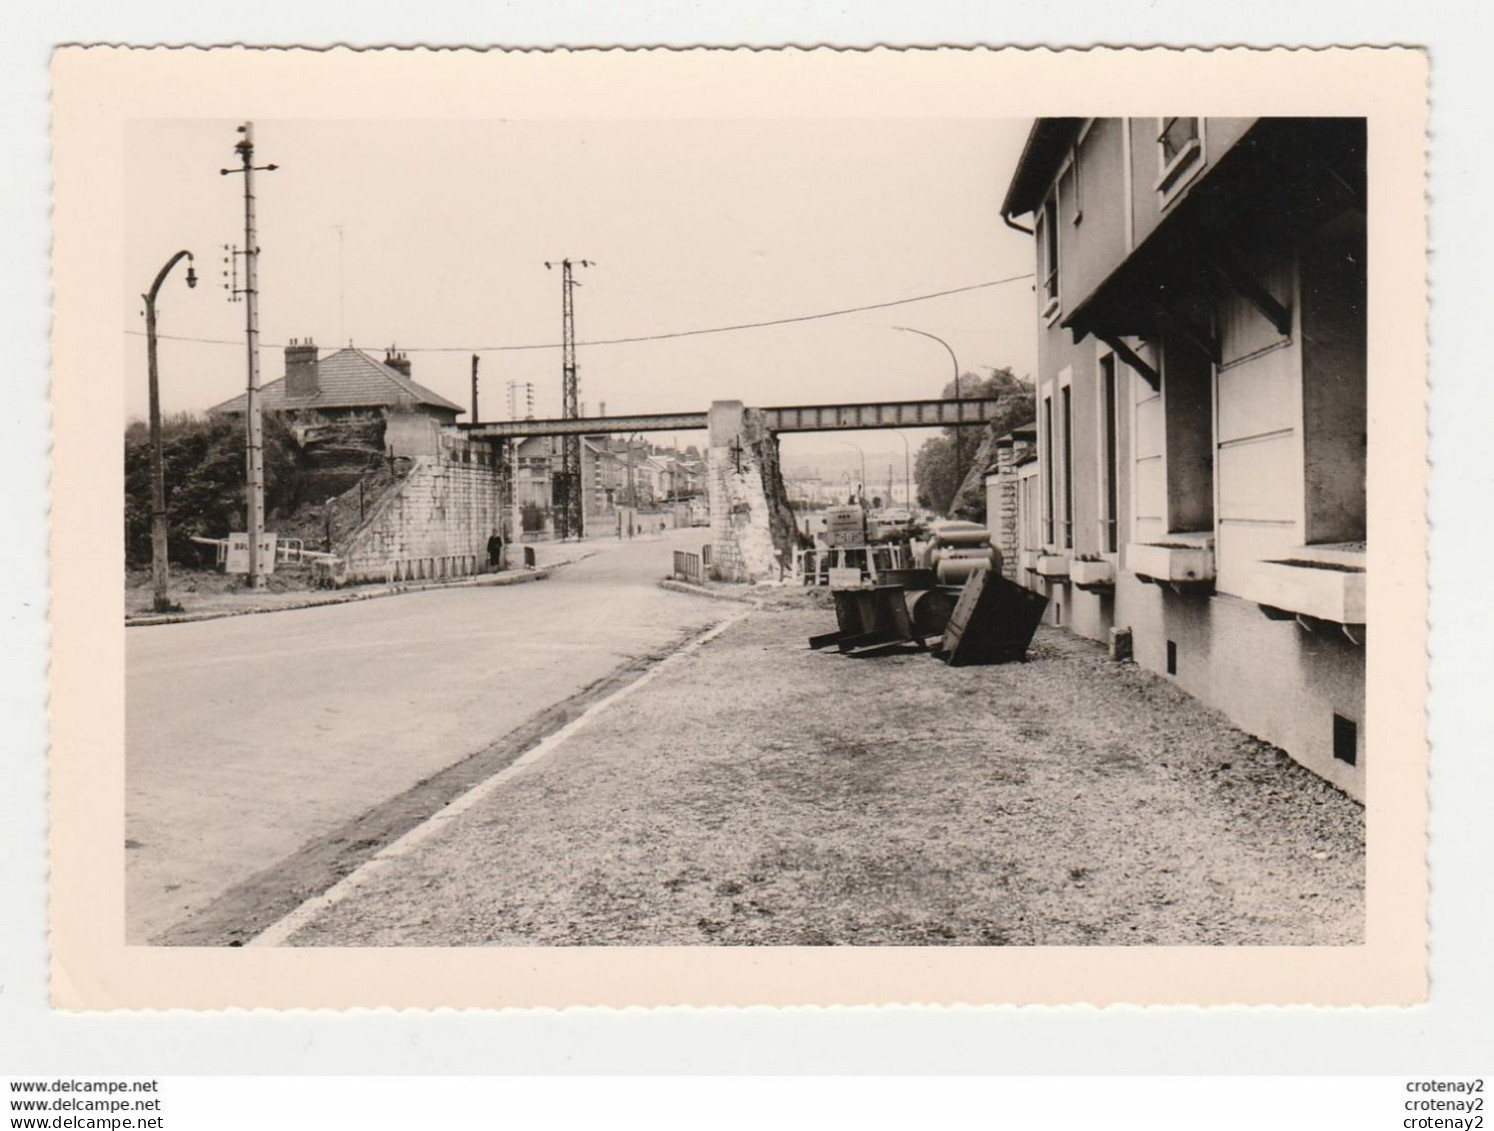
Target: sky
433	236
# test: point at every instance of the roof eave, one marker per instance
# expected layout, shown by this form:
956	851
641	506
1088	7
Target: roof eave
1047	144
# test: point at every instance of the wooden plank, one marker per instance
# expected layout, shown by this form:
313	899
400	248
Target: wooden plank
867	639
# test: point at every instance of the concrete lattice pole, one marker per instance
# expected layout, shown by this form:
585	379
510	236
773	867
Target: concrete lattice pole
253	411
573	510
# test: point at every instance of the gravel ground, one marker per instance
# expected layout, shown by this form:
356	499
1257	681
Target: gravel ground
761	793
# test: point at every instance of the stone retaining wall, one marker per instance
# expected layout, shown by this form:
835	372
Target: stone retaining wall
436	522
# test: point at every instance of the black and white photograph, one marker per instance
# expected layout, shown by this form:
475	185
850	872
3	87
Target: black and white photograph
733	532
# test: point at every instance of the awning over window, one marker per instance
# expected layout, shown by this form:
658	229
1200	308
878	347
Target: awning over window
1284	178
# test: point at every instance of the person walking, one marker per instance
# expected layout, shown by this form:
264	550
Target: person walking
495	551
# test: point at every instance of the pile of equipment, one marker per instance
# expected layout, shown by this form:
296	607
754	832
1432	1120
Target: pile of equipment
953	602
853	544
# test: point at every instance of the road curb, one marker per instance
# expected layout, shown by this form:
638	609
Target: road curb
514	578
703	591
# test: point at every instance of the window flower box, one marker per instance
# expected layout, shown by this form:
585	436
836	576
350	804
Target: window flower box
1092	575
1172	563
1324	590
1054	566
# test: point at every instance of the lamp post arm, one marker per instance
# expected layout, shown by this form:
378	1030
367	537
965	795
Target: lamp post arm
163	272
947	349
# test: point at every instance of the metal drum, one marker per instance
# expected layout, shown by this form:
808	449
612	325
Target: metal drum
930	610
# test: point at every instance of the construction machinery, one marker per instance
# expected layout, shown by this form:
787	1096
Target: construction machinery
853	549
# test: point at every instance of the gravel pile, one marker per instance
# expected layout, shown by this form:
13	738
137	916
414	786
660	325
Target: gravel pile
763	794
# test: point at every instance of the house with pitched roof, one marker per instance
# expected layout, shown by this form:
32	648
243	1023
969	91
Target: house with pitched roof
349	385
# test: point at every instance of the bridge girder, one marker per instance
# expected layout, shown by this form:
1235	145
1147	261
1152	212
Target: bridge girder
791	418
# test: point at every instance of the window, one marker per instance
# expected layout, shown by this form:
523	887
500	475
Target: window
1068	466
1109	458
1188	423
1334	381
1047	242
1179	153
1048	465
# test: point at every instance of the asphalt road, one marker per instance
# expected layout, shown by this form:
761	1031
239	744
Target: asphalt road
250	737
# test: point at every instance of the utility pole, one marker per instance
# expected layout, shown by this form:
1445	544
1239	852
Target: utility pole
253	413
632	490
474	388
515	507
159	600
573	511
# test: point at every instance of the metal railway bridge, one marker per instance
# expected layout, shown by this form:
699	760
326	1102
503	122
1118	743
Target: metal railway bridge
793	418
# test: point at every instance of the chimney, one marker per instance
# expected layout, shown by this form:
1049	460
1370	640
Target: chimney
397	361
300	369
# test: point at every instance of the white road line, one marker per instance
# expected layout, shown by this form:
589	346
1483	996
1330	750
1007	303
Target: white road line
277	933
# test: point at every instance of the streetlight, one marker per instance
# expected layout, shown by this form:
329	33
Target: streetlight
159	601
848	443
959	462
907	470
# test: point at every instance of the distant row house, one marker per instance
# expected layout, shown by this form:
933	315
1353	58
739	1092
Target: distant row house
1199	483
616	473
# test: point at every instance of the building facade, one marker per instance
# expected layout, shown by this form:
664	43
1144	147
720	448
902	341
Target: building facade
1200	481
318	394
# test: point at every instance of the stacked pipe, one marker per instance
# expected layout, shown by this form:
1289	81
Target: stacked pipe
956	550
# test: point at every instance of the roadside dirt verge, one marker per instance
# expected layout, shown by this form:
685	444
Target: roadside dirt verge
763	794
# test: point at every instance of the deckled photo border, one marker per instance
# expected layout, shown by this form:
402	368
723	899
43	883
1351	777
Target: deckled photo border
98	90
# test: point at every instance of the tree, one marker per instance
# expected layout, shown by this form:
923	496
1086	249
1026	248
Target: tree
203	461
934	471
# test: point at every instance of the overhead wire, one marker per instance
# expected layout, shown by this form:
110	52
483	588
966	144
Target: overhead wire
665	336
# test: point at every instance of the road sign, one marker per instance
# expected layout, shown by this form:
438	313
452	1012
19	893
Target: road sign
237	560
842	577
